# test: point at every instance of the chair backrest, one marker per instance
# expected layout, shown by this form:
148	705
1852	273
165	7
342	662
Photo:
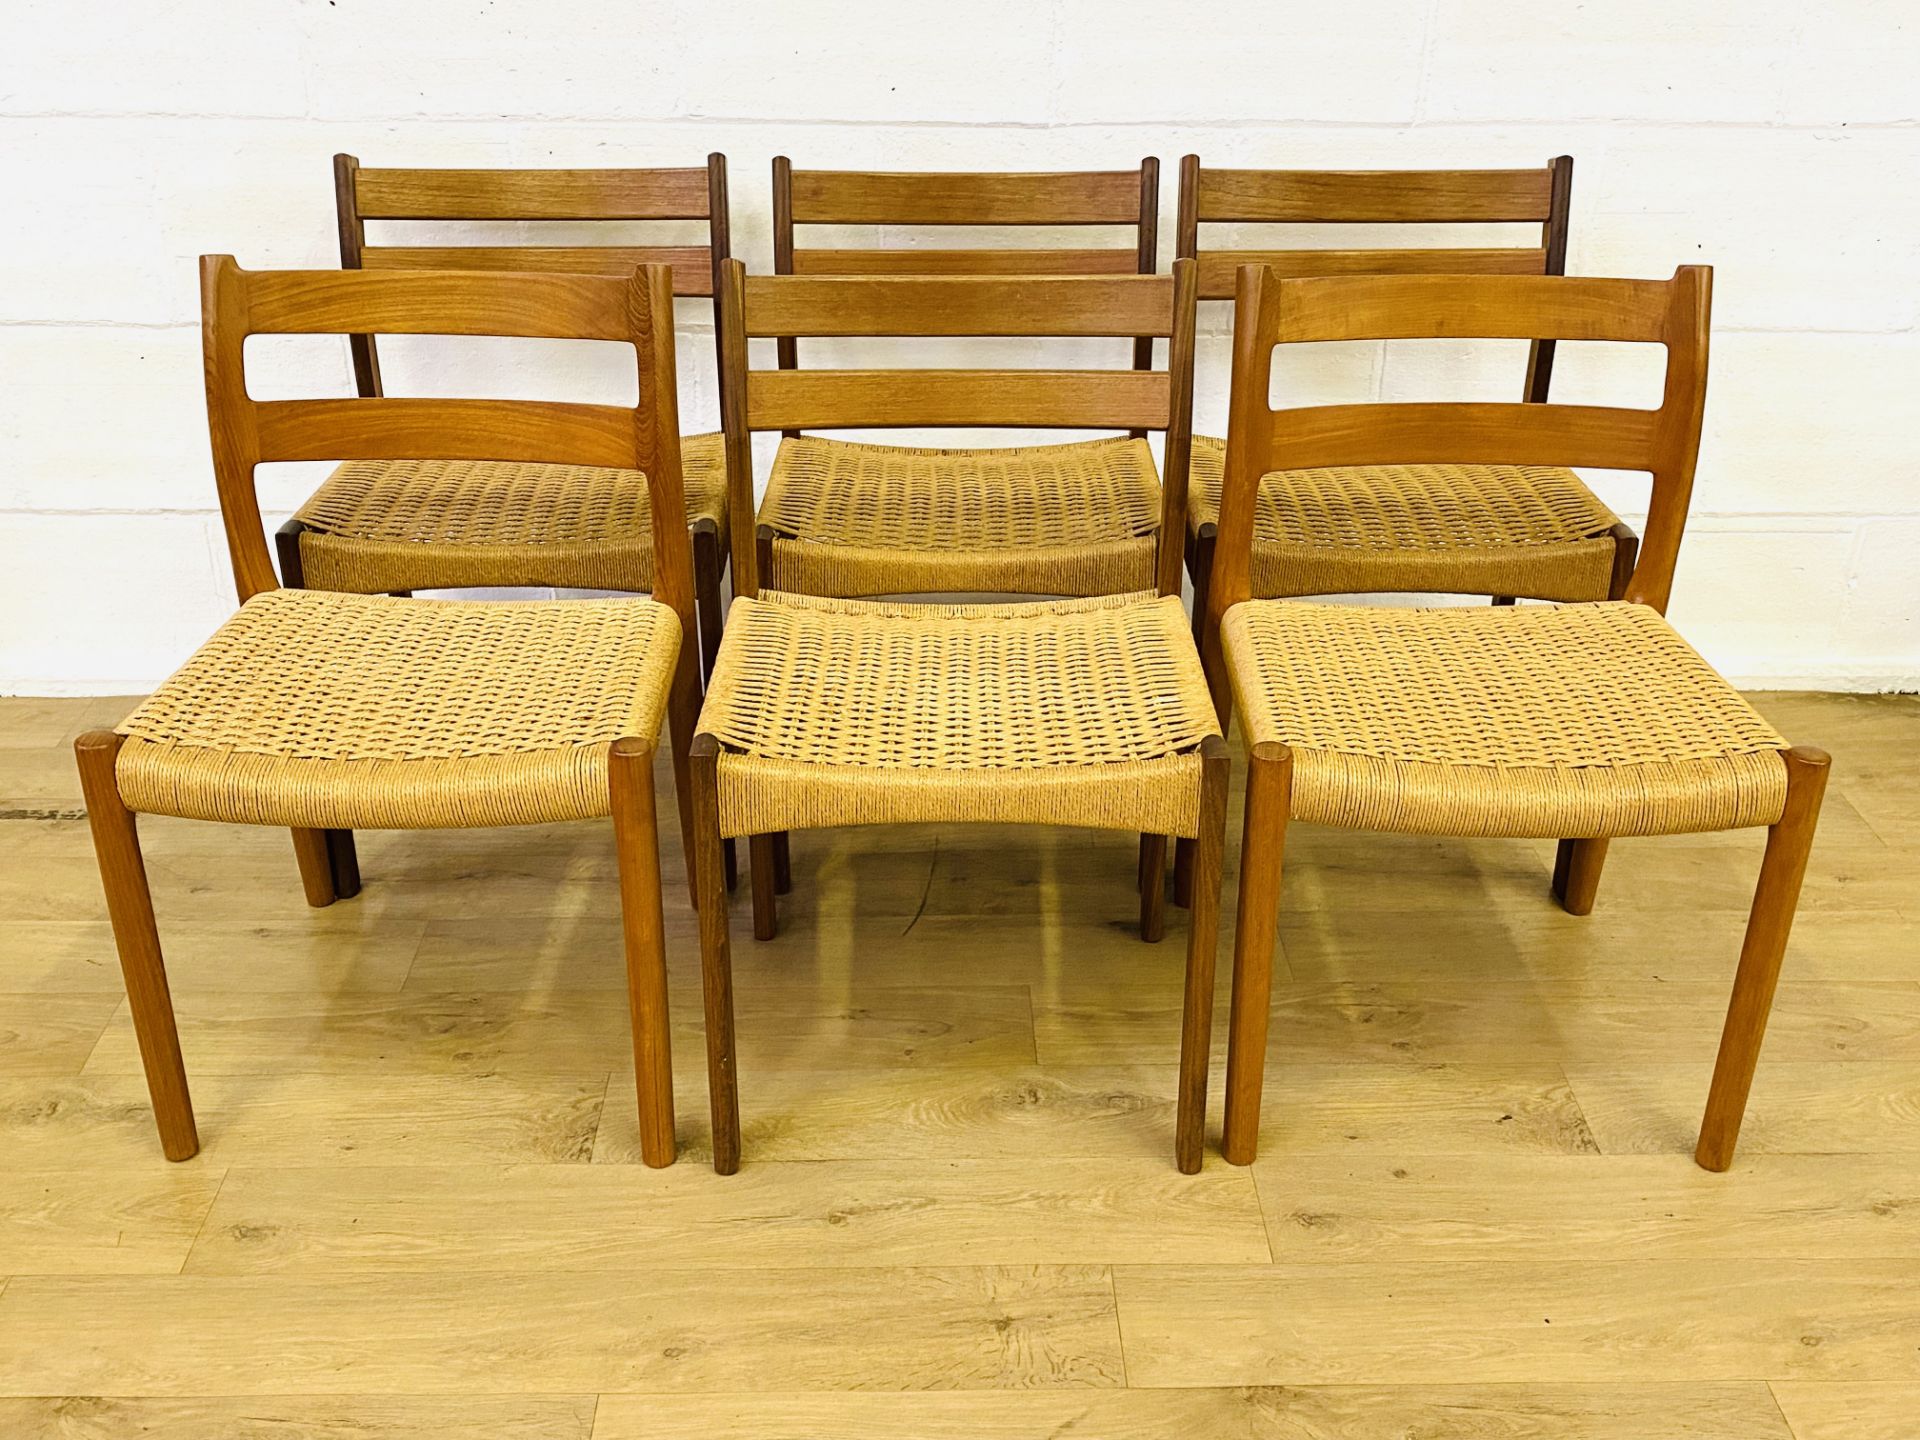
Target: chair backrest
1382	197
636	309
690	193
1271	309
1098	199
788	306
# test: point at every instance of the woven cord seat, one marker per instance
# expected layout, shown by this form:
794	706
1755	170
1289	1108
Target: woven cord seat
854	519
842	712
1544	721
1531	530
330	711
379	525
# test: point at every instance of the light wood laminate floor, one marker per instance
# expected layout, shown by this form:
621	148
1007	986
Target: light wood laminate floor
419	1210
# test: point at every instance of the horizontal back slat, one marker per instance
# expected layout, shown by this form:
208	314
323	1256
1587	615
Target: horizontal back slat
395	302
1397	307
1465	434
1113	261
846	197
531	194
692	264
942	305
547	432
1374	196
1219	269
1062	399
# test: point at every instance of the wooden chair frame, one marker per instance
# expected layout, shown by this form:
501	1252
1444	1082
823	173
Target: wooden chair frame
786	307
1272	309
690	193
245	433
1370	197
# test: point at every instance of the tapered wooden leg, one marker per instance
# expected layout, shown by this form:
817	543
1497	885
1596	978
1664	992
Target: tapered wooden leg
1203	938
1200	567
760	875
636	841
782	863
707	563
123	875
1263	846
1774	901
1576	874
683	715
1153	887
716	959
316	866
344	860
1183	849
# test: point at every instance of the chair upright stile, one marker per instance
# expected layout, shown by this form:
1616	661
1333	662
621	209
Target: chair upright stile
1579	721
325	711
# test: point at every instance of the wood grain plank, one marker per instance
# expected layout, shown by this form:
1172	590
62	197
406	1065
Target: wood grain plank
1843	1410
552	1218
480	1334
575	1031
939	1114
107	1120
53	1034
1605	1321
299	1417
40	958
1414	1209
1464	1021
1350	1412
137	1220
1796	1108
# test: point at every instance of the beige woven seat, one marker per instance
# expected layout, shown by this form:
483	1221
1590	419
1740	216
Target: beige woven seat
848	712
1531	530
1574	720
328	711
856	519
379	525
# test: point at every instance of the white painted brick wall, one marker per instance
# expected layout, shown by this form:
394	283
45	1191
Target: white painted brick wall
1779	141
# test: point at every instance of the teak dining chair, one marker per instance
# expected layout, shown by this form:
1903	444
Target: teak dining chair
324	711
850	519
415	523
1505	529
1088	712
1576	721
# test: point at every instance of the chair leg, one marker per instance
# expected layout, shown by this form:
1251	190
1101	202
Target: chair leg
683	715
1576	873
636	841
1183	849
1153	887
344	861
1200	568
1503	600
1203	939
716	959
123	875
707	563
782	864
1774	901
1262	848
315	856
760	872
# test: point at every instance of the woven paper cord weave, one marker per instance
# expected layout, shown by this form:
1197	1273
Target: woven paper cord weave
379	525
333	711
842	712
1568	721
1531	530
855	519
